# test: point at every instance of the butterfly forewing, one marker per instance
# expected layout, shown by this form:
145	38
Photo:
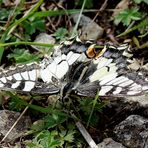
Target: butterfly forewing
25	78
45	77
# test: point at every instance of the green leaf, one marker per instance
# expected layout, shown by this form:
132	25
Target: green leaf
29	29
32	25
53	139
45	139
39	24
68	136
23	56
146	1
54	119
4	13
127	15
38	126
139	1
61	33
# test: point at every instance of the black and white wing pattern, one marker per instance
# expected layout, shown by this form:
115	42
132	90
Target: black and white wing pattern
25	78
46	77
110	75
75	67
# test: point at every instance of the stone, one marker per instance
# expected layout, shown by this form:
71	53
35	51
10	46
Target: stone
133	132
90	30
142	100
110	143
7	119
46	39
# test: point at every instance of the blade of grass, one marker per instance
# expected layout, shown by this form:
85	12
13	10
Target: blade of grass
57	12
27	15
77	23
93	106
35	107
26	43
15	24
141	24
24	103
143	45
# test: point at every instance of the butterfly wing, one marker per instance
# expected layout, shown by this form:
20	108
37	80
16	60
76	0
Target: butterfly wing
109	75
45	77
120	86
26	78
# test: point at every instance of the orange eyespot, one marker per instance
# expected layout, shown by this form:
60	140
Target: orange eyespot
91	52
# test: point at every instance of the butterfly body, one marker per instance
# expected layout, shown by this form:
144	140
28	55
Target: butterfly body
81	69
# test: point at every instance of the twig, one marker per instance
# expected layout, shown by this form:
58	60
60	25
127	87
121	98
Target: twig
101	9
130	26
16	122
53	27
86	135
15	34
59	5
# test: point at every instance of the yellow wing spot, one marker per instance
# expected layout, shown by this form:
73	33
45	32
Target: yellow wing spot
91	52
101	53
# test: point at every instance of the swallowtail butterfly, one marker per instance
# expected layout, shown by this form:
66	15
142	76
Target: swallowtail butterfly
75	67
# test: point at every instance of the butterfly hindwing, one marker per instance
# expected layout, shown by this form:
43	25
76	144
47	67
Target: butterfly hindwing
111	77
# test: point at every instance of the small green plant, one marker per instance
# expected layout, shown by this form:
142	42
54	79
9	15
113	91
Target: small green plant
53	139
53	119
23	56
134	18
4	14
91	108
61	33
127	16
139	1
33	24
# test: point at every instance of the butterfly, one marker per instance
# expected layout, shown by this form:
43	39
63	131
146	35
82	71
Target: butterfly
78	68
